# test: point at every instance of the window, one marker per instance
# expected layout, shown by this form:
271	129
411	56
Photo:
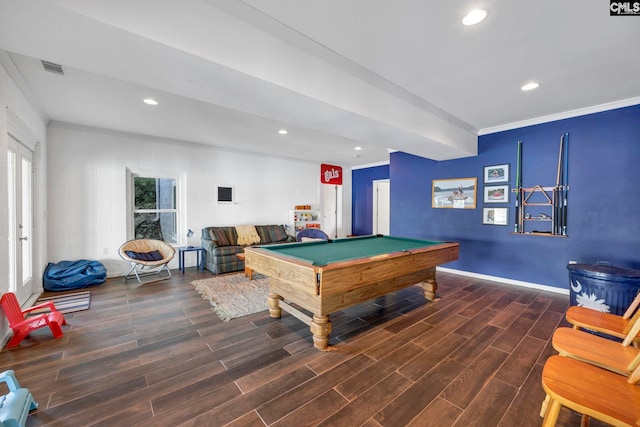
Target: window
155	208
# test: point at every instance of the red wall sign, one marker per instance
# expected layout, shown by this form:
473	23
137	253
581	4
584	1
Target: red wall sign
330	174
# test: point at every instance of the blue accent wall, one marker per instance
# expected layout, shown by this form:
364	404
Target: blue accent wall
603	201
362	197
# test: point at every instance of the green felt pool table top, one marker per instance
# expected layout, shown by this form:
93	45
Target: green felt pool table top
322	252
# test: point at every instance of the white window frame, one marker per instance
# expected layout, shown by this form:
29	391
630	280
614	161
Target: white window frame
180	202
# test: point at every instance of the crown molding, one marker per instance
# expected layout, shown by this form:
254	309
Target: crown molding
561	116
20	132
18	79
370	165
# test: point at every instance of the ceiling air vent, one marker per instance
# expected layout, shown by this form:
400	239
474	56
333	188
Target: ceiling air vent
53	68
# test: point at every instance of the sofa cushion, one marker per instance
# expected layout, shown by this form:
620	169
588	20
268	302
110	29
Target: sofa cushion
219	235
279	233
232	235
272	233
227	251
263	232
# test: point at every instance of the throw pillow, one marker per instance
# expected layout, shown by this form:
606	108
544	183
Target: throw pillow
277	233
219	236
144	256
263	232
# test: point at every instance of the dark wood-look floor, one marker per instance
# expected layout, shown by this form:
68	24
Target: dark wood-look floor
157	355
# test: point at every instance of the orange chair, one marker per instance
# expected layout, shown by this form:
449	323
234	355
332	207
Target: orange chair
23	326
590	390
611	324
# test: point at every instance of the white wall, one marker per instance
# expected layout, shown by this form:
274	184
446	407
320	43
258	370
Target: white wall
19	117
4	211
87	170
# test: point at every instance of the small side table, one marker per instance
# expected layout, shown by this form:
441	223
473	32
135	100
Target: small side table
247	271
199	250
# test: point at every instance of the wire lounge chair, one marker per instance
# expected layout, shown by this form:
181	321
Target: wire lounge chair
147	257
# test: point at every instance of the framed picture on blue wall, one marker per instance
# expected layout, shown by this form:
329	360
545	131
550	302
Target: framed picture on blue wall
496	173
496	193
456	193
495	216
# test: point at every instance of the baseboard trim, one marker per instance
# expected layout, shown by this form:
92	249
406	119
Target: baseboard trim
505	281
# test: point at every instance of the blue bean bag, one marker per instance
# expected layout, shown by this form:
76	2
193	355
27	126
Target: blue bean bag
67	275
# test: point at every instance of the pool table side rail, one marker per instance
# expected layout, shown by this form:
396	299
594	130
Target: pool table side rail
432	249
337	277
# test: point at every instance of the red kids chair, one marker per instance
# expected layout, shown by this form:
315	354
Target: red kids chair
23	326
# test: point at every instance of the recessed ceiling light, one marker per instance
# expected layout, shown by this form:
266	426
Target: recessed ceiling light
283	132
530	86
474	17
150	101
357	148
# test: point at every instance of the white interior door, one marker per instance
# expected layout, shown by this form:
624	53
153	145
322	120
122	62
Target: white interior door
21	227
381	206
331	210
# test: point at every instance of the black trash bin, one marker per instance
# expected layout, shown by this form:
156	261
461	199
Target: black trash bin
603	287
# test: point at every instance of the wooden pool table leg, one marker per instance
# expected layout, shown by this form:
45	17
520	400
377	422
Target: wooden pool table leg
430	286
275	311
320	328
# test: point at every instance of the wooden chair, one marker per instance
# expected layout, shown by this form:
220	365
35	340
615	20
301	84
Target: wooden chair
598	351
590	390
147	256
23	326
607	323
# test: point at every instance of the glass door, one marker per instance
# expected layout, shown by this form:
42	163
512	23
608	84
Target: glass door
21	228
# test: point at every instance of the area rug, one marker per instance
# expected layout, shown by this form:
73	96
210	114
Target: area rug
67	303
234	295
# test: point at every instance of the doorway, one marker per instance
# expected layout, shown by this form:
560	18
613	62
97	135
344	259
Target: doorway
331	210
381	206
21	226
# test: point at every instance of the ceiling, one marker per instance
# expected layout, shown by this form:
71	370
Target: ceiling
403	75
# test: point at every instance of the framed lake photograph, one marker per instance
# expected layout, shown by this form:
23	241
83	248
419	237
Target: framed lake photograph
455	193
495	216
496	173
496	194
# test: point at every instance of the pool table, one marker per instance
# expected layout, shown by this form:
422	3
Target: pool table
326	276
